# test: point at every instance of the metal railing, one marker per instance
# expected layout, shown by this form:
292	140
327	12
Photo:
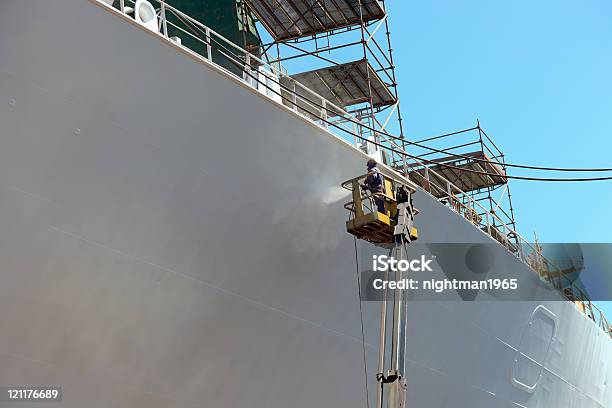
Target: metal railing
276	84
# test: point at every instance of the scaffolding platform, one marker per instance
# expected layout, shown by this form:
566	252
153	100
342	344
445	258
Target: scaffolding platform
343	85
293	19
465	180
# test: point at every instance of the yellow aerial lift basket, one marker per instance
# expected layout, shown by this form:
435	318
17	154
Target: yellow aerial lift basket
366	221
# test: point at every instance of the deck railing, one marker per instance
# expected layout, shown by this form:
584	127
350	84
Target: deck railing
272	81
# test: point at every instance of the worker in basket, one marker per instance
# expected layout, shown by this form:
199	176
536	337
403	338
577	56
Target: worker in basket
374	183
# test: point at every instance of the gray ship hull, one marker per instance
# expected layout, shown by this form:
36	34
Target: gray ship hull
170	237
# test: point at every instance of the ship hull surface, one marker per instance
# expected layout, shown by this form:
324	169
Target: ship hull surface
170	237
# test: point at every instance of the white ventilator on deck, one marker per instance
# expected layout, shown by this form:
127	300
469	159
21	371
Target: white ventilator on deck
144	13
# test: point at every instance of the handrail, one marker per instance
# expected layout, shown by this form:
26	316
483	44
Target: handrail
330	105
452	194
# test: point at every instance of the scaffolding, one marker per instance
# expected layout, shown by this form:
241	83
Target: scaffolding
471	169
346	45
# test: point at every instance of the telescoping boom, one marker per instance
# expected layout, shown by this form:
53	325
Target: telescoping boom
386	219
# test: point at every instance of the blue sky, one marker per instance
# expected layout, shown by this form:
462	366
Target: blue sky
538	75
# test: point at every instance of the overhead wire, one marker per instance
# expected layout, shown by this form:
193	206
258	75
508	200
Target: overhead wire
521	166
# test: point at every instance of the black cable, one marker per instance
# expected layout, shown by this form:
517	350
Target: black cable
520	166
403	153
365	361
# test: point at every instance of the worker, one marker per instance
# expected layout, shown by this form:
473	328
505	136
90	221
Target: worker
374	183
